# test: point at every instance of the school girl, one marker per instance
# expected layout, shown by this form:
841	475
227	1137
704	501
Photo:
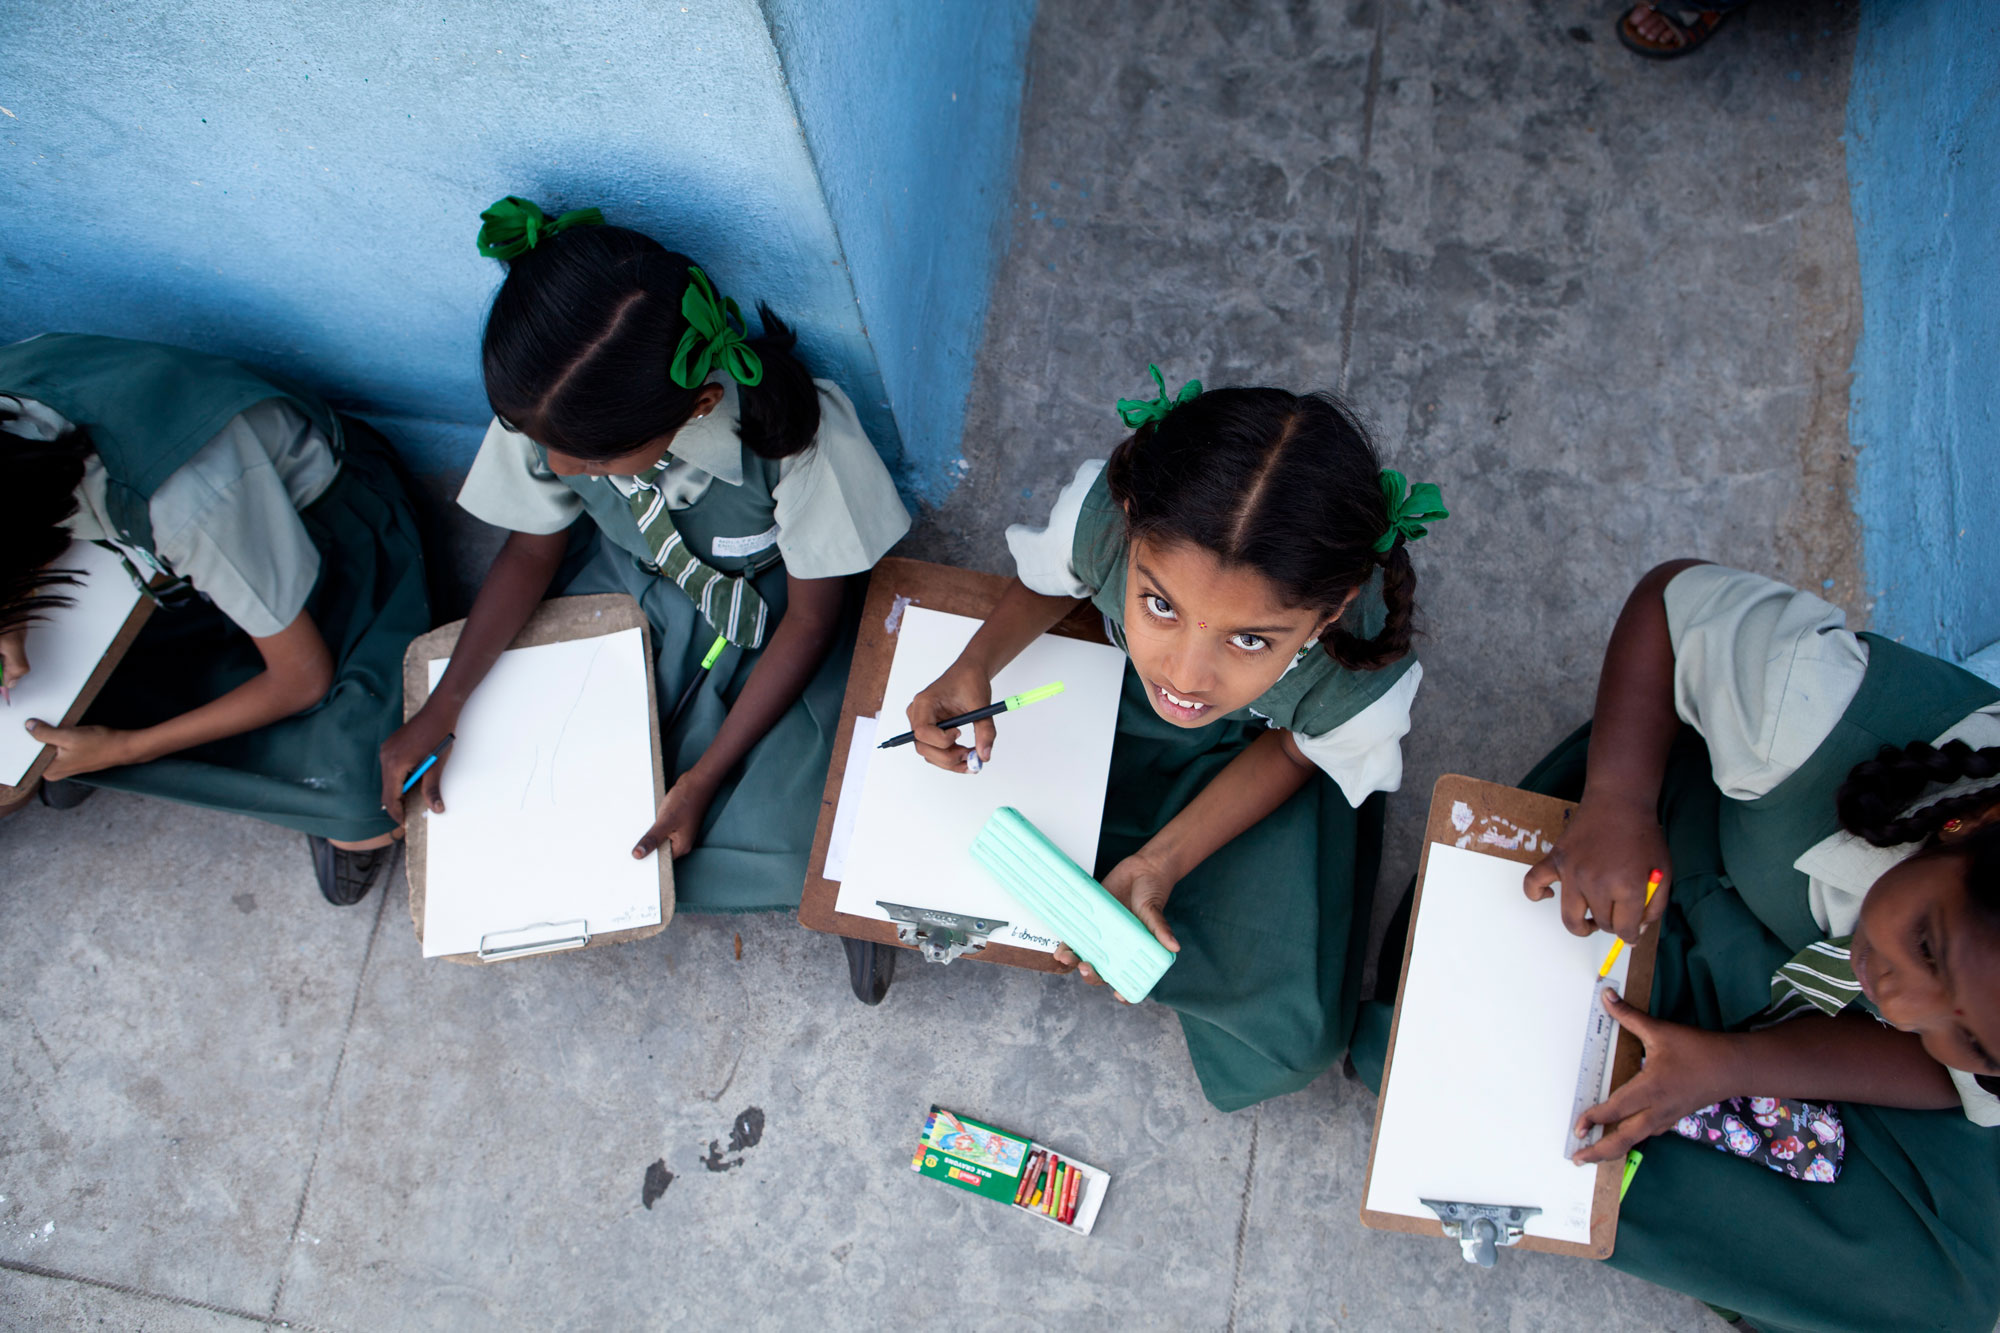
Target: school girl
1829	823
283	553
1250	555
725	488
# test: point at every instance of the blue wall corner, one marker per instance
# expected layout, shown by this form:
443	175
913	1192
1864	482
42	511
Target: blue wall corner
912	112
299	185
1923	162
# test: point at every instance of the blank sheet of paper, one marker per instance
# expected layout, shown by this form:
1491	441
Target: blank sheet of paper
62	652
549	785
913	831
1487	1051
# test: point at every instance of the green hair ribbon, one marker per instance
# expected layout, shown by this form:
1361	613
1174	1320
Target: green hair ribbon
716	327
514	226
1137	412
1410	507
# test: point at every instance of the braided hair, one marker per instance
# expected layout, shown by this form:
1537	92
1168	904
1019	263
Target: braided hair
39	497
1877	791
1283	483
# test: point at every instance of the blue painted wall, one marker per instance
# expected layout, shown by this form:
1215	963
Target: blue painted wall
912	109
299	184
1923	158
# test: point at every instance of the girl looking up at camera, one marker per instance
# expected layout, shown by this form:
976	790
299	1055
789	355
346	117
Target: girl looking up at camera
1250	555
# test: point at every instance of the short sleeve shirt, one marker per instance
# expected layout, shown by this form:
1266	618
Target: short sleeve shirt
227	520
1362	755
837	508
1764	672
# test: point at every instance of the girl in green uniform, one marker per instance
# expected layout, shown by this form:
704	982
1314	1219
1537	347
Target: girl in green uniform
1250	555
726	489
282	549
1829	823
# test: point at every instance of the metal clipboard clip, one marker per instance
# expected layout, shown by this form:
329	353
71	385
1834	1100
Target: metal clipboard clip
940	936
1481	1227
542	937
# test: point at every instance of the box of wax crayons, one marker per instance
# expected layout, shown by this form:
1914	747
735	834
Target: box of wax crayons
1011	1169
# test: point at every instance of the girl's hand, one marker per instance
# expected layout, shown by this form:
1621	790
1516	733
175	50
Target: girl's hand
83	749
1686	1069
1601	863
405	751
959	690
13	657
679	822
1144	888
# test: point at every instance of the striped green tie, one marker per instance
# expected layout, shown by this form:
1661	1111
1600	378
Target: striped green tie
727	602
1820	978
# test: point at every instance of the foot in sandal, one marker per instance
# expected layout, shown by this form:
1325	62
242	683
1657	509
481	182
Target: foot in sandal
1669	33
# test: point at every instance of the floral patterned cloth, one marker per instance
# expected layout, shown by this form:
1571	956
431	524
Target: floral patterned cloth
1804	1140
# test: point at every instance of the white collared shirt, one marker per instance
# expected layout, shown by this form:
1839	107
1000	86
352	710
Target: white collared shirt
837	508
1764	672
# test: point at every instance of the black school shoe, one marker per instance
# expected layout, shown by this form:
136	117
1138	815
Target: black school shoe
64	793
346	876
870	968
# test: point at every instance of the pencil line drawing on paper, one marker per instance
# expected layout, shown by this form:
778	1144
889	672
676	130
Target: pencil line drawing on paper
582	687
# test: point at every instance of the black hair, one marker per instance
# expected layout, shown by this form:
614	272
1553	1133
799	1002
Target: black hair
1285	484
580	339
40	494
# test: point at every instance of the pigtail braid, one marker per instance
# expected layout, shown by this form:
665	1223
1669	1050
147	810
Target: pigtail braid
1877	791
1399	598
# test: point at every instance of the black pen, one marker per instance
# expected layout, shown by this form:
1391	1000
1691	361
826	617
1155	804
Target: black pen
1007	704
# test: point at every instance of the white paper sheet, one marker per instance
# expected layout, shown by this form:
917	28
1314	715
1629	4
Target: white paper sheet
62	652
549	785
913	832
1487	1051
853	778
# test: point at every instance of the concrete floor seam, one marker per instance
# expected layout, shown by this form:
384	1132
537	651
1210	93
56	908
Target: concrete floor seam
326	1107
127	1289
1243	1218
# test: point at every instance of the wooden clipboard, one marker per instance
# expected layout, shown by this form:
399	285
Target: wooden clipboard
1504	809
20	793
897	583
558	620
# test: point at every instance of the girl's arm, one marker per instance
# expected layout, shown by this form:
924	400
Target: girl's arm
1016	620
1820	1057
515	585
798	646
1252	785
1614	841
298	671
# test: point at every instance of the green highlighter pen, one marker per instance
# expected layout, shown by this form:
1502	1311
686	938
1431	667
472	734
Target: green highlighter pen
694	683
1006	705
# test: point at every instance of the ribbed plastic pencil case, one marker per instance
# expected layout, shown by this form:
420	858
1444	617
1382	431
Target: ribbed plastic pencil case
1096	926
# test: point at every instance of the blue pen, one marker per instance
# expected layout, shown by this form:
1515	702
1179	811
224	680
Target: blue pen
425	767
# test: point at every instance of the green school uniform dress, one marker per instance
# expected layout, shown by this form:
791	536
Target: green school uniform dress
1272	927
1782	701
828	512
260	503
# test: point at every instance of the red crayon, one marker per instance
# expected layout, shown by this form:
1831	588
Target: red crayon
1049	1180
1071	1196
1027	1185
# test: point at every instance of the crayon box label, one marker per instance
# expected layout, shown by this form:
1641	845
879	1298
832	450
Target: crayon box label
970	1155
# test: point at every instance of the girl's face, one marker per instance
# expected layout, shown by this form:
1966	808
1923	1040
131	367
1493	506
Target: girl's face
1205	637
1930	964
638	460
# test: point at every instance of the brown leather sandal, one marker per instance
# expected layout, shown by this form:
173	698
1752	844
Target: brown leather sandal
1688	33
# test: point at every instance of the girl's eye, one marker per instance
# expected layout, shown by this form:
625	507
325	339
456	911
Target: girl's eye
1924	946
1157	605
1249	643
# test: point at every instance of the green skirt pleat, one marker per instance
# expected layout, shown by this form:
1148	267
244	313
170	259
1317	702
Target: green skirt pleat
758	833
1271	927
316	771
1907	1238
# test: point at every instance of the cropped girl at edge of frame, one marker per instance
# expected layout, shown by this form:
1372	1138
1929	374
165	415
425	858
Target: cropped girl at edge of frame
286	561
725	489
1825	807
1250	554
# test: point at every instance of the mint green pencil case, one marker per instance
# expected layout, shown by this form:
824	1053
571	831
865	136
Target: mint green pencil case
1096	926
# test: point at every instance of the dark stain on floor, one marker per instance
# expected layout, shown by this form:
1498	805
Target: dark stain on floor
746	1132
657	1180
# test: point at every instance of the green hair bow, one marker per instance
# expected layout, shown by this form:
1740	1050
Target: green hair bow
514	226
1410	507
1137	412
716	327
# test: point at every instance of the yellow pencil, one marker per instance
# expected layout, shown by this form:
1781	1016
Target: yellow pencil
1618	945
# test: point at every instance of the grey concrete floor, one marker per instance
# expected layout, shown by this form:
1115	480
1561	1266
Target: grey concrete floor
1609	305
